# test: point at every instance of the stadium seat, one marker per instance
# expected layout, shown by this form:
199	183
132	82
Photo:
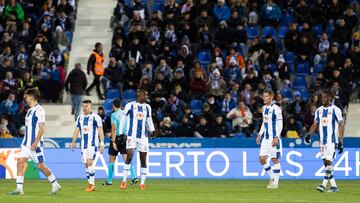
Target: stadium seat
290	57
305	95
299	83
272	67
286	19
318	30
252	32
196	106
108	106
282	32
129	95
268	30
318	68
113	94
302	69
123	103
286	93
204	57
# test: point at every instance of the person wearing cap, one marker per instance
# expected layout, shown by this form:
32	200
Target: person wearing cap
216	84
283	69
221	11
222	35
75	84
180	79
232	72
297	107
213	103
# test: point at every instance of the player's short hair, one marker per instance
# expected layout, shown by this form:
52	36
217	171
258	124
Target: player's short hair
329	92
269	91
141	91
117	103
33	92
87	101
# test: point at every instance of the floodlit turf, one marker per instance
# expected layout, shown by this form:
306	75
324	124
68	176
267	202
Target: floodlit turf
183	191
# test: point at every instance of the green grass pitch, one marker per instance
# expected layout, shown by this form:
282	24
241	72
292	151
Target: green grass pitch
183	191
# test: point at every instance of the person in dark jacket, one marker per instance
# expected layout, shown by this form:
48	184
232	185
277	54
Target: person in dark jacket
219	129
77	82
185	128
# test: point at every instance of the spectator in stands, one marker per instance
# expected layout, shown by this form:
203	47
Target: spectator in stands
309	118
120	14
198	85
297	107
9	83
270	14
247	94
153	50
302	12
341	34
222	35
315	101
4	132
61	39
132	74
283	70
164	69
335	56
166	128
204	20
235	91
138	8
96	66
291	38
113	76
203	128
66	7
232	72
106	121
218	58
241	117
174	108
9	106
291	128
25	83
323	48
185	128
220	129
75	84
269	52
227	103
269	81
7	122
216	85
205	37
221	11
305	49
236	57
14	8
145	84
38	56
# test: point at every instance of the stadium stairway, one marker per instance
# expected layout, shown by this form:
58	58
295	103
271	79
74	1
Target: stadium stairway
92	25
352	127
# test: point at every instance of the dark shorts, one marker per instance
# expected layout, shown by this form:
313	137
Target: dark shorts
120	142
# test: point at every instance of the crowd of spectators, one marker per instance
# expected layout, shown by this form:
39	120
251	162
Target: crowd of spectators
250	45
35	39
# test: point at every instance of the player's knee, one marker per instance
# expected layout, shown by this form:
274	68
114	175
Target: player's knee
275	160
327	163
262	160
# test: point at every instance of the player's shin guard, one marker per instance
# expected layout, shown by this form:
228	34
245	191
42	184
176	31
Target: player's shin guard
110	172
276	171
328	174
132	172
19	183
87	175
332	179
267	168
143	172
91	175
126	172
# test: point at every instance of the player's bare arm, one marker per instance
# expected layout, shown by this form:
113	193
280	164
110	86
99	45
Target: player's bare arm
39	135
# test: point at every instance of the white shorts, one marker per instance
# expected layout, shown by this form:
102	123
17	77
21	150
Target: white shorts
266	149
37	156
328	151
89	153
142	144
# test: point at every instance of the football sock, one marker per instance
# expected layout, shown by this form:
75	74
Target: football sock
110	172
276	173
267	168
19	183
87	175
126	172
328	172
132	172
143	172
52	179
92	175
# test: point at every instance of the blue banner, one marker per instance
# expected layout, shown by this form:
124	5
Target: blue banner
224	163
158	143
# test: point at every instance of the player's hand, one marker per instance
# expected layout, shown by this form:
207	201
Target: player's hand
33	146
307	139
102	146
114	145
258	139
275	141
72	146
340	147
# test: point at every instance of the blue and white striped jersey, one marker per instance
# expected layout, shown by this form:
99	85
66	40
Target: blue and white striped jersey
272	122
88	126
328	119
33	118
139	120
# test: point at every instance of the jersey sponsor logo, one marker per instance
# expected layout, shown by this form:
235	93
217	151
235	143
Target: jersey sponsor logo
266	118
140	116
324	121
85	130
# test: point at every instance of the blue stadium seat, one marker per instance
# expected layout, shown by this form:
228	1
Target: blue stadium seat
290	57
204	57
318	30
318	68
305	95
252	32
196	106
123	103
108	106
330	29
113	94
302	69
268	30
286	93
299	83
129	95
286	19
282	32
